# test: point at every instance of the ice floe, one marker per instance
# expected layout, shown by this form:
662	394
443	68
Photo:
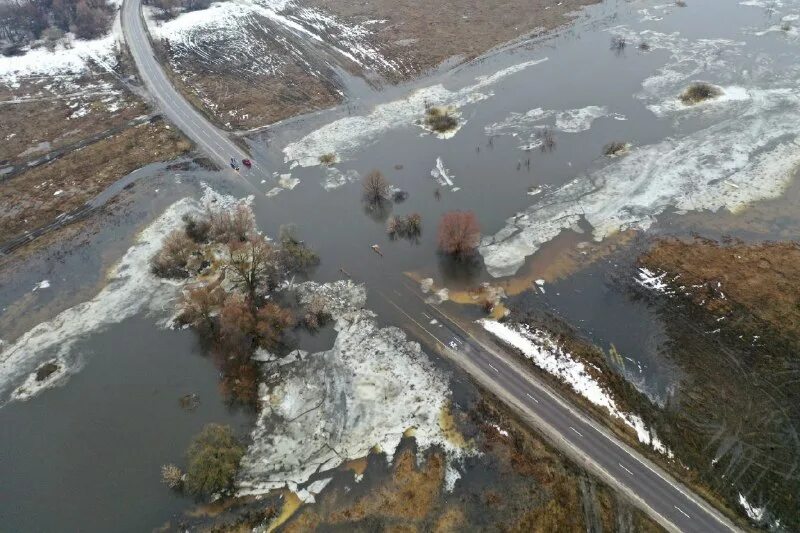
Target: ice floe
348	135
545	353
365	391
131	288
442	174
528	126
750	154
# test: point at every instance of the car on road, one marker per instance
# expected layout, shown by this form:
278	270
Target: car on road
247	163
234	164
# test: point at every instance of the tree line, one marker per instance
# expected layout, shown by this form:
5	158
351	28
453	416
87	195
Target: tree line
24	21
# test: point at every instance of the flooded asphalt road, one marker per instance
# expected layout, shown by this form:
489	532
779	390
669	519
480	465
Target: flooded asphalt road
491	175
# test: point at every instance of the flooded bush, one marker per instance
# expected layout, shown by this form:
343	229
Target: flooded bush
213	458
327	159
171	261
459	233
680	3
295	256
614	148
316	313
199	305
172	476
376	187
409	226
699	92
399	196
618	43
439	119
232	226
196	229
644	46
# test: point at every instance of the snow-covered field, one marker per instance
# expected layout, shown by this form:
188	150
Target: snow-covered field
545	353
232	24
71	57
323	408
749	152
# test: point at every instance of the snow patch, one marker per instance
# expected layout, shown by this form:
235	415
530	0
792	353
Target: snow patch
545	353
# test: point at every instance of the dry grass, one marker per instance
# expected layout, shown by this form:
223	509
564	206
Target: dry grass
423	34
43	115
699	92
614	148
764	279
29	200
440	120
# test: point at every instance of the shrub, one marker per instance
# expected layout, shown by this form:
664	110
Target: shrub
316	313
376	187
614	148
171	476
459	233
295	256
327	159
644	46
410	226
399	196
698	92
196	229
618	43
213	457
199	304
439	120
680	3
171	260
232	226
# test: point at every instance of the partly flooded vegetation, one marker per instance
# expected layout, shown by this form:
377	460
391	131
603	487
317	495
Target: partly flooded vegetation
549	208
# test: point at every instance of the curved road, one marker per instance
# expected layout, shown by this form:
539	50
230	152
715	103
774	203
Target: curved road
586	441
208	138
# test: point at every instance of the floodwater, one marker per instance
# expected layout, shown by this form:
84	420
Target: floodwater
108	434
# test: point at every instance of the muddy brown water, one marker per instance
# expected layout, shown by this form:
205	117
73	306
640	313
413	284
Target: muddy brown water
85	456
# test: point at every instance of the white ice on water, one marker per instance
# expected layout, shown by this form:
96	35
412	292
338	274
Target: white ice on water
749	153
329	406
545	353
131	288
349	135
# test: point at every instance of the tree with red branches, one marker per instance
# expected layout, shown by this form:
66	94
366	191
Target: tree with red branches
459	233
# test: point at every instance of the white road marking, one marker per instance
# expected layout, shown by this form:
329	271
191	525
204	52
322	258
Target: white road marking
531	397
493	368
625	469
576	431
681	511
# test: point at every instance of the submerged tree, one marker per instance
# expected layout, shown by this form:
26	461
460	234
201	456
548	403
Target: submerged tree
459	233
376	187
213	457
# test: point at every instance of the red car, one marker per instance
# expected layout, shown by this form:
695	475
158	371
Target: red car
247	163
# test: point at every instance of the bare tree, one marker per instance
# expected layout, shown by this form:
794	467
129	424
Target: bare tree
459	233
252	265
232	226
376	187
199	304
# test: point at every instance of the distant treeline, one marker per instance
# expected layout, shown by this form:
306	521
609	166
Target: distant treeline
24	21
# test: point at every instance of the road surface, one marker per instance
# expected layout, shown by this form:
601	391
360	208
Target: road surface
208	138
674	506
